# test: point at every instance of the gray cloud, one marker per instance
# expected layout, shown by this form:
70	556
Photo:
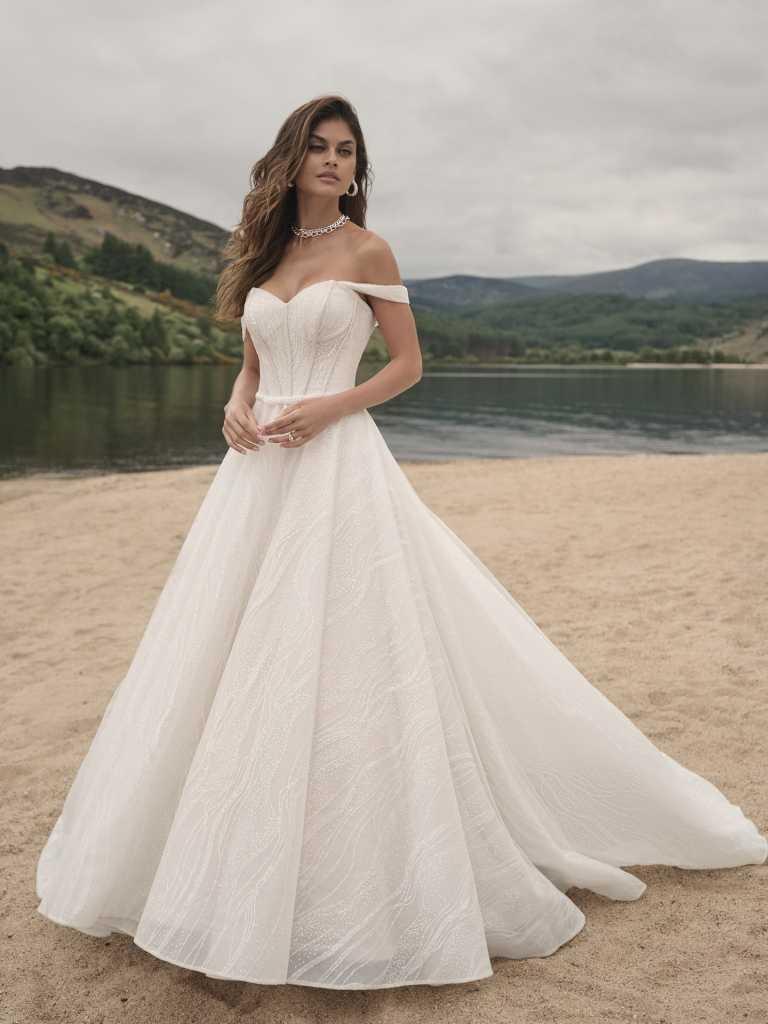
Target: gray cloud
534	136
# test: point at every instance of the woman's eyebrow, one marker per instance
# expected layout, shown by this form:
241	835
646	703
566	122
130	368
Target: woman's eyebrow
342	142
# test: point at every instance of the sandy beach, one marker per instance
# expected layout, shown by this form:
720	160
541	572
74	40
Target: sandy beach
648	571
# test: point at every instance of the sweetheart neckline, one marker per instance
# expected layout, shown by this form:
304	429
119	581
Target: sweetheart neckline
329	280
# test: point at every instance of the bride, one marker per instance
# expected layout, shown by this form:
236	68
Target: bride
343	755
334	166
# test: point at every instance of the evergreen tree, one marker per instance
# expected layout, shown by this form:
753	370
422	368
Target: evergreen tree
154	333
65	257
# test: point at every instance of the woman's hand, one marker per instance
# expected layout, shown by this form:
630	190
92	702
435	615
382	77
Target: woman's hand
305	418
240	429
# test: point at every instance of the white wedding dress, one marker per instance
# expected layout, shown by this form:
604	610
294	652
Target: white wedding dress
343	755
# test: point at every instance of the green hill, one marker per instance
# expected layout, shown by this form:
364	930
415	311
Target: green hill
38	200
90	272
54	315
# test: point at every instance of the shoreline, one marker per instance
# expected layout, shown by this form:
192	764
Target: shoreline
459	461
597	365
699	366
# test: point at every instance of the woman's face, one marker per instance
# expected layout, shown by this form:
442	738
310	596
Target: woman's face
331	151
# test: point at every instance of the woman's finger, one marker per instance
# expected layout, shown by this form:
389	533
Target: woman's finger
285	419
297	443
238	437
230	439
278	438
245	432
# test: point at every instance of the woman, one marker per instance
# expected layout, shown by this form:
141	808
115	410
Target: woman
343	755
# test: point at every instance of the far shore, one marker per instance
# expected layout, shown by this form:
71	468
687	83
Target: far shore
515	364
698	366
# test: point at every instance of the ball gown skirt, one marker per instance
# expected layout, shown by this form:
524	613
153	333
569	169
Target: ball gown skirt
343	755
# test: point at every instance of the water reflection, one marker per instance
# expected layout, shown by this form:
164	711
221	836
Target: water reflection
106	419
580	411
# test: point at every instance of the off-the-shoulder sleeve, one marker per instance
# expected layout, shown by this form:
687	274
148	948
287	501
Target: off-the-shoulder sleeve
393	292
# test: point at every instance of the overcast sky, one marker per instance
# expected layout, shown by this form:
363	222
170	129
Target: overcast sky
507	138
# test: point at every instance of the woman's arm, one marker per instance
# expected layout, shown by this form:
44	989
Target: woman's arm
240	427
398	327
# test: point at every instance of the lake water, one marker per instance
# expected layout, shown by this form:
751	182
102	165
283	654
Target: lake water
106	419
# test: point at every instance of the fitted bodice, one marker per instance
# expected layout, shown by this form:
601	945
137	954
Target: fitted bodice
313	343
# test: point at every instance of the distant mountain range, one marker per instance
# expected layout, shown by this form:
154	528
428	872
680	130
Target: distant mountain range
671	279
36	200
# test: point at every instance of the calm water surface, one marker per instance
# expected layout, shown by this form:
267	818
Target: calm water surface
106	419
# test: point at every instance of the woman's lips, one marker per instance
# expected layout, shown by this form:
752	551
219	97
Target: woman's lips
327	177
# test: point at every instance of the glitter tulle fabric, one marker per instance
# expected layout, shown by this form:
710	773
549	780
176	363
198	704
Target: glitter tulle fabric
343	755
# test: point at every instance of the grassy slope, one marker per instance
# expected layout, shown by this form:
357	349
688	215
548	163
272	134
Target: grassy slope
29	211
66	207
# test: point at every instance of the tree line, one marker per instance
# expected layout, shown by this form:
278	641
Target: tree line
46	321
134	264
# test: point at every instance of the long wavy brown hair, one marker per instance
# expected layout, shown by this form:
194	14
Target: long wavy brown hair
256	244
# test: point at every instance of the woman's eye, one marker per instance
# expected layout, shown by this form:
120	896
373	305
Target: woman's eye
316	146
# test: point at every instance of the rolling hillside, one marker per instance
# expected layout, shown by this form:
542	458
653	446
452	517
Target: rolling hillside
89	242
36	200
702	280
674	279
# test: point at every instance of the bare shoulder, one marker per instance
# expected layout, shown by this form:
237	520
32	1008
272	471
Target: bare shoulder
376	261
